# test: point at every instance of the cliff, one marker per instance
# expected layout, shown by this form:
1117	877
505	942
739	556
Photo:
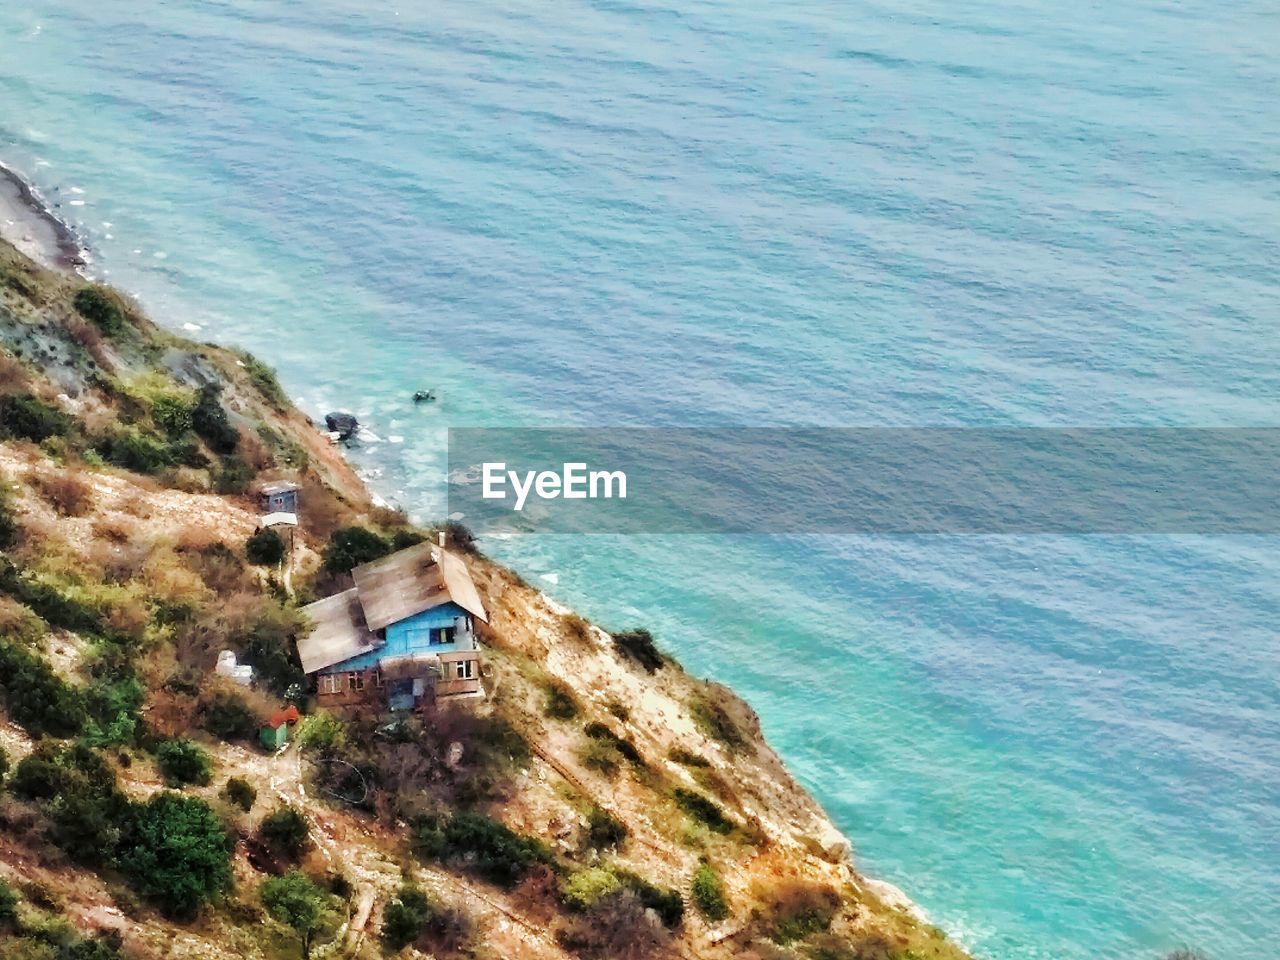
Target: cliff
598	802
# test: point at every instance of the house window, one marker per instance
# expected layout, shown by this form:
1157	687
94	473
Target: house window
378	680
329	683
465	670
444	635
355	680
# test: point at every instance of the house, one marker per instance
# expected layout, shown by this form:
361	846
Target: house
278	497
274	732
402	638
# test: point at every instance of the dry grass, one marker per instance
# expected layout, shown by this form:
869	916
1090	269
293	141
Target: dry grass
63	490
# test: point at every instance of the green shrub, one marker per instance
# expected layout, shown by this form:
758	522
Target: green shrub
285	831
352	546
801	910
486	846
100	307
708	894
173	413
79	793
132	449
264	381
295	900
38	699
585	888
229	717
183	762
178	853
604	830
600	755
209	420
624	747
8	522
561	703
9	900
322	732
405	918
665	902
27	417
240	792
114	702
265	547
234	477
703	810
55	607
269	648
406	537
615	926
688	758
714	720
638	644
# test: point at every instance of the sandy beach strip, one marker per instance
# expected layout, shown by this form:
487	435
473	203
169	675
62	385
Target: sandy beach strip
28	224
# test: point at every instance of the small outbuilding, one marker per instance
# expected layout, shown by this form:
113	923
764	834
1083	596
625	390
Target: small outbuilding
278	497
274	733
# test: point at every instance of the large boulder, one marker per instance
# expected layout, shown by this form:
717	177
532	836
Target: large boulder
343	424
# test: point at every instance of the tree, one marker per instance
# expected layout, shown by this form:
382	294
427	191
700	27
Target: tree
405	918
265	547
285	831
295	901
240	792
351	546
178	853
182	761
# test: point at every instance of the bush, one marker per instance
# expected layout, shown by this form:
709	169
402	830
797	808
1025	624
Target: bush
324	733
297	902
100	307
173	413
285	831
488	847
352	546
234	477
604	830
183	762
240	792
227	716
264	381
587	887
625	748
801	910
405	918
265	547
703	810
79	793
615	926
130	448
8	522
38	699
714	720
688	758
269	648
209	421
65	492
26	417
8	906
665	902
600	755
639	646
708	894
54	607
178	853
561	703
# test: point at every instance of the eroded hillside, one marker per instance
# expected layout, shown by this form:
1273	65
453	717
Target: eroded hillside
597	802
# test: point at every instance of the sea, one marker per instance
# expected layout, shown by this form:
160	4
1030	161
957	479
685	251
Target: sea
735	212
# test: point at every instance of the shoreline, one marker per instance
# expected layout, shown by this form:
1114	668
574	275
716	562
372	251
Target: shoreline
28	222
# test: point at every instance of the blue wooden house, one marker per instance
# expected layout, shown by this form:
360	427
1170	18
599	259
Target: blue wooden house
402	638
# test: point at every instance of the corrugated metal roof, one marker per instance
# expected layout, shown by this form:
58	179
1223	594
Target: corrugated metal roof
340	632
278	486
412	580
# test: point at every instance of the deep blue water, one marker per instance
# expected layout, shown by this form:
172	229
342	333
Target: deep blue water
854	214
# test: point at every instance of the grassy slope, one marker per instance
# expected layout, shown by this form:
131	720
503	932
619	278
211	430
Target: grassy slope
141	553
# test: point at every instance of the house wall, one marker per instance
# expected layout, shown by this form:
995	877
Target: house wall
404	638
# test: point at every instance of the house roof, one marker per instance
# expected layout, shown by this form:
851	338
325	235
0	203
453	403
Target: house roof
386	591
340	632
278	486
281	717
411	581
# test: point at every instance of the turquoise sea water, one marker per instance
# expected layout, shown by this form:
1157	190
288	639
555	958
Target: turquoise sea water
855	214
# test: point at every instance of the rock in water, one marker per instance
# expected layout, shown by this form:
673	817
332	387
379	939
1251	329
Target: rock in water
343	424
